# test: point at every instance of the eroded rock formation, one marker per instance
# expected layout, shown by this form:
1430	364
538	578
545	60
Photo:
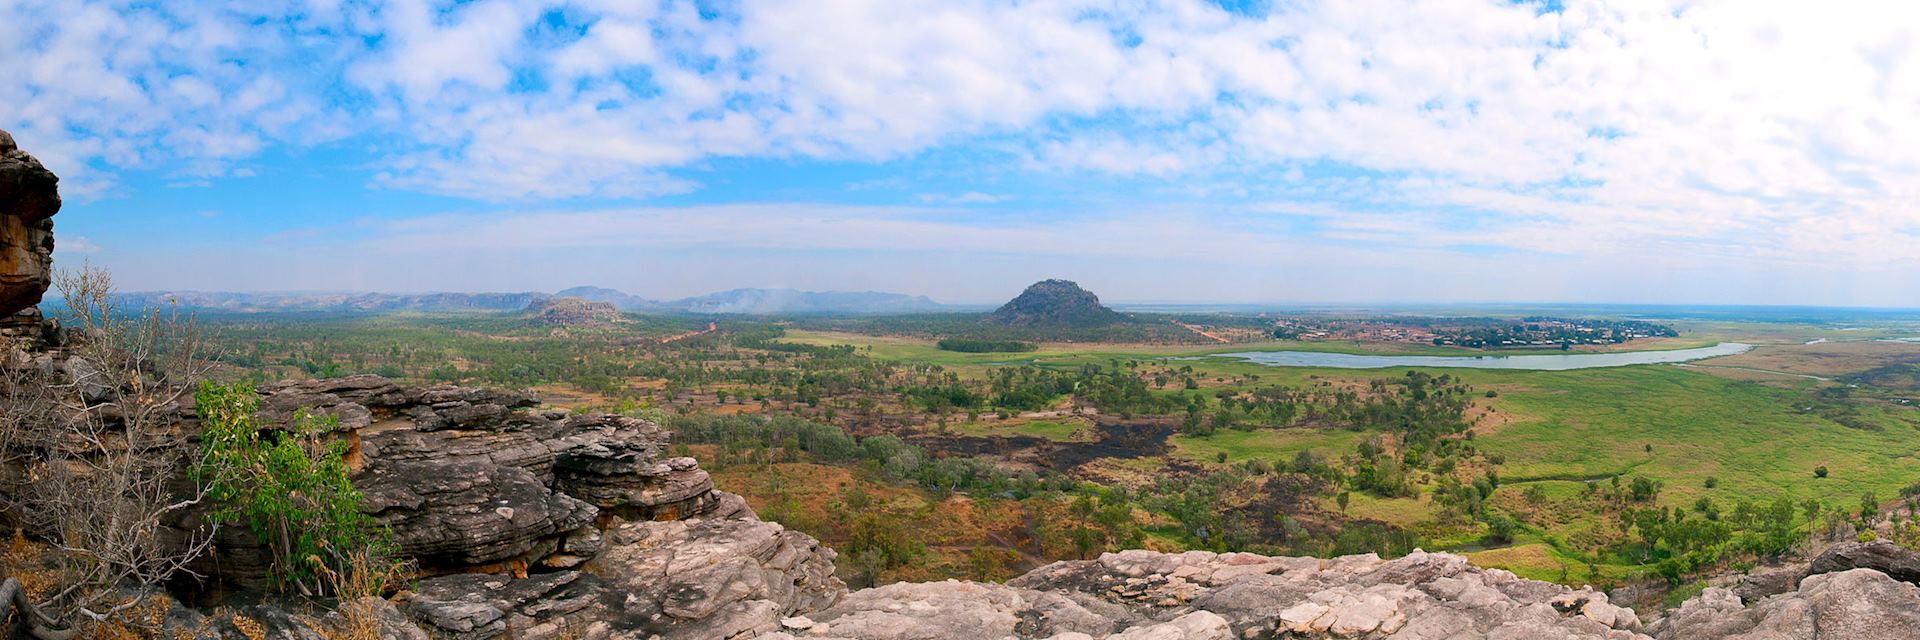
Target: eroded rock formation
29	197
573	312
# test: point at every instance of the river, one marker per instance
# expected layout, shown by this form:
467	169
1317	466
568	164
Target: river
1561	362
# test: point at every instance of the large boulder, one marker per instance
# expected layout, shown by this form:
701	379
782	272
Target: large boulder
481	607
1857	604
626	480
713	577
29	197
1897	562
464	514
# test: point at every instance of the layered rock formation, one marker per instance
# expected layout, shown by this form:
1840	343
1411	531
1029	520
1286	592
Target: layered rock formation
29	197
573	312
531	523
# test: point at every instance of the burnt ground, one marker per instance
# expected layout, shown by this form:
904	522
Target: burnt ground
1119	438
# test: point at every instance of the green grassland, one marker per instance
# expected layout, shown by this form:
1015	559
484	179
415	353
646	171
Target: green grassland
1265	444
1557	429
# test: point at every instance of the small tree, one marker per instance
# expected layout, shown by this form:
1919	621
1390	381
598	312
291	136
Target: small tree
290	488
101	448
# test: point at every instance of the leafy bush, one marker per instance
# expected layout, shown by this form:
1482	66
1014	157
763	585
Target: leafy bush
290	488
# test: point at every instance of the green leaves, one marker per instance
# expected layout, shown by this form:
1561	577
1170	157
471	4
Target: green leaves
288	486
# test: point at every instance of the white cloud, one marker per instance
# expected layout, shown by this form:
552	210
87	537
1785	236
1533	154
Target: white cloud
76	244
970	197
1755	129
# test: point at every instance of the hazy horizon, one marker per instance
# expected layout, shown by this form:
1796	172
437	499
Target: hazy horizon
1278	305
1690	153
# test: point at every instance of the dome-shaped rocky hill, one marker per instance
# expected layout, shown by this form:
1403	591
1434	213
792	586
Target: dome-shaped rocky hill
1055	303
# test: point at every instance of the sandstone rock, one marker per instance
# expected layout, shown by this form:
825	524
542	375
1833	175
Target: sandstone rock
622	478
486	606
261	622
1766	581
1897	562
29	198
1421	595
460	514
372	614
1199	625
1858	604
480	606
692	577
953	609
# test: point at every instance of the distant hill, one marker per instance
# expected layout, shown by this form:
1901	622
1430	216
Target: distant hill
573	312
623	300
741	301
328	301
775	301
1055	304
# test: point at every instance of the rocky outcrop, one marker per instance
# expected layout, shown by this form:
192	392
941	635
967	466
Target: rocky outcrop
532	523
480	606
1144	594
1885	557
573	312
1858	604
711	577
475	479
464	514
29	197
626	481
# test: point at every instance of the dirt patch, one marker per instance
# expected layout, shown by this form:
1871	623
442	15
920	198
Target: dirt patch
1117	439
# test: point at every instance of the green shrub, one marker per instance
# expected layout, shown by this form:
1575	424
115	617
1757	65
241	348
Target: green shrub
289	487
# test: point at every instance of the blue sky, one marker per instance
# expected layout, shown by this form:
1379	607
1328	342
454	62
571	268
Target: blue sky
1172	151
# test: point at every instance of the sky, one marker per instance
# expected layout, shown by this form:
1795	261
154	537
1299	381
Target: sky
1709	152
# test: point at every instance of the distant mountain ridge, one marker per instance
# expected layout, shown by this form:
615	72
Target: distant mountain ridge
330	301
735	301
765	301
1056	304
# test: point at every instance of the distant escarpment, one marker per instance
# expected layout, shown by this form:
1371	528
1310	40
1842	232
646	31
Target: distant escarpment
735	301
789	301
1055	304
29	197
330	302
573	312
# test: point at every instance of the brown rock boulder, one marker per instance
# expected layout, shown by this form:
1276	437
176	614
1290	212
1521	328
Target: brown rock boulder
1880	555
29	196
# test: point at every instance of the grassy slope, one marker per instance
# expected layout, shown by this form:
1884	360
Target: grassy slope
1597	422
